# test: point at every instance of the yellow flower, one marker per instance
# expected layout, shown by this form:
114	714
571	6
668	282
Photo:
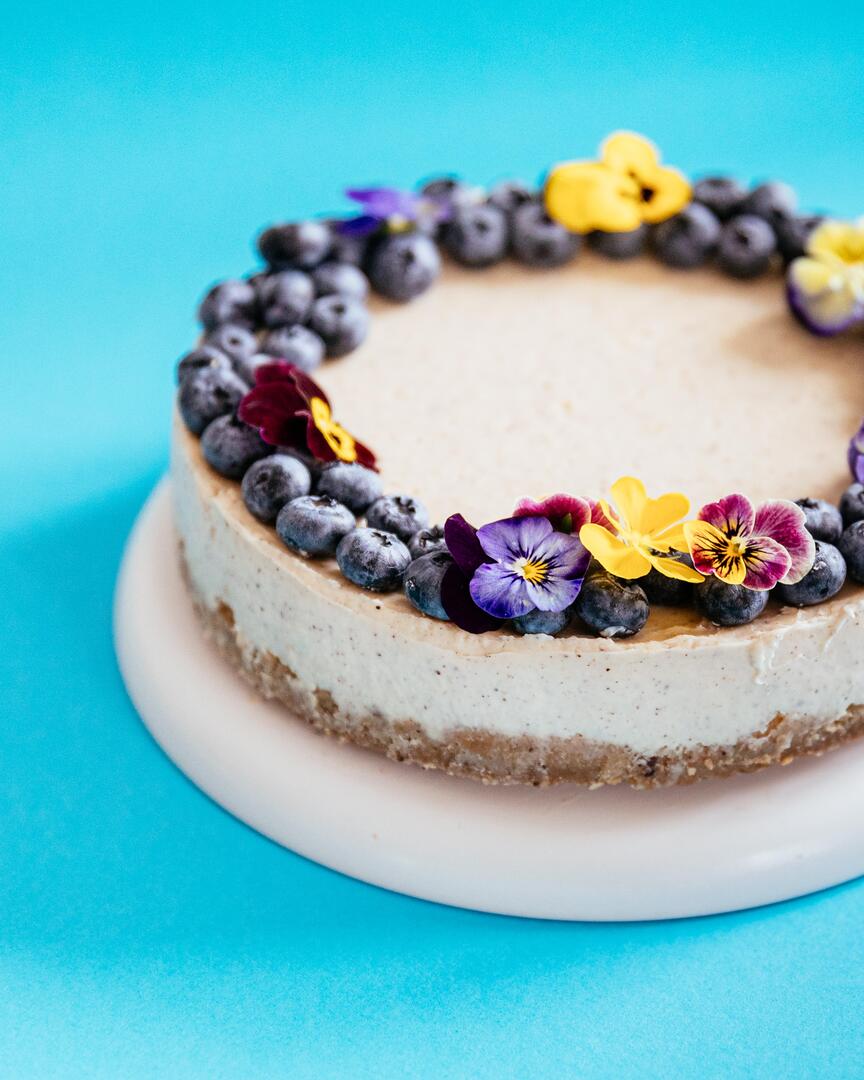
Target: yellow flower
627	187
826	286
642	533
343	444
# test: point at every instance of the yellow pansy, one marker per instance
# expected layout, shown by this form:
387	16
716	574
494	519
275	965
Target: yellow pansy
641	534
341	442
627	187
825	287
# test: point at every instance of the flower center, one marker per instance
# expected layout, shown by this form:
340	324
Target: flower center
534	571
338	439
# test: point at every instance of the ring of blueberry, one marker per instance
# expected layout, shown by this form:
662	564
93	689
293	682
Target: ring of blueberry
248	392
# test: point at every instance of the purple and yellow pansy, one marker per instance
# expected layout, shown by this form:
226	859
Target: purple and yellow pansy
856	455
754	547
825	287
394	210
627	187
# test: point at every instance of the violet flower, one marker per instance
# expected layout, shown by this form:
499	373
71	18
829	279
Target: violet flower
856	455
468	556
386	207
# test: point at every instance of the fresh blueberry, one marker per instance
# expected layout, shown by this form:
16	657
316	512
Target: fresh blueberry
747	245
199	360
476	235
296	344
230	446
341	322
452	192
314	525
793	234
822	519
373	559
423	582
403	266
620	245
341	278
851	545
228	302
773	201
539	241
723	195
509	195
688	239
300	245
284	298
246	368
426	541
208	393
665	591
271	483
349	483
344	247
729	605
825	579
237	342
541	622
399	514
852	504
610	607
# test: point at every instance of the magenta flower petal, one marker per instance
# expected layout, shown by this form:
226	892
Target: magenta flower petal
784	522
732	515
500	592
461	609
767	563
463	545
567	513
513	538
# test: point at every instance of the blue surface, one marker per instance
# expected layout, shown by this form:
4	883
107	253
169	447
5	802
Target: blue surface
142	931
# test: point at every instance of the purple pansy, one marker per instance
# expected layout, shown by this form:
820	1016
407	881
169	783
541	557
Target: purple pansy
462	543
529	567
395	209
856	455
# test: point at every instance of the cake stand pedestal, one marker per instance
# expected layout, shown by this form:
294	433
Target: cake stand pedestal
555	853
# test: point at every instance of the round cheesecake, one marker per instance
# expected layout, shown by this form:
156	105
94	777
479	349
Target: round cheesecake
514	383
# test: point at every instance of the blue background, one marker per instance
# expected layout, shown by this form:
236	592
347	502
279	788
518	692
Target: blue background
142	931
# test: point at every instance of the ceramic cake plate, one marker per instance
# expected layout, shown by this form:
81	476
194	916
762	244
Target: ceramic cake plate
556	853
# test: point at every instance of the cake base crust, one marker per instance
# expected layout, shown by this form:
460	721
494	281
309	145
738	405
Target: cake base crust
494	758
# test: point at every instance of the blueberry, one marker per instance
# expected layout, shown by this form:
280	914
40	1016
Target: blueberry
852	504
399	514
230	446
539	241
296	344
237	342
402	267
199	360
822	519
228	302
345	248
729	605
793	234
284	298
723	195
541	622
509	195
209	393
620	245
301	245
611	608
341	322
423	582
349	483
824	580
476	235
773	201
665	591
342	278
452	192
427	540
246	368
688	239
314	524
851	545
373	559
747	244
271	483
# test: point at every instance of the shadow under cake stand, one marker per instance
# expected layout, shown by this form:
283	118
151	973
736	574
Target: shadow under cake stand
555	853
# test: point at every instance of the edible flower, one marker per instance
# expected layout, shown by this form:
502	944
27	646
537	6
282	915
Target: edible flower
462	543
627	187
640	533
567	513
754	548
825	287
395	210
856	455
290	409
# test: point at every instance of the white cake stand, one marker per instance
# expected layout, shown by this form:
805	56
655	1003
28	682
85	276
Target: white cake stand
558	853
